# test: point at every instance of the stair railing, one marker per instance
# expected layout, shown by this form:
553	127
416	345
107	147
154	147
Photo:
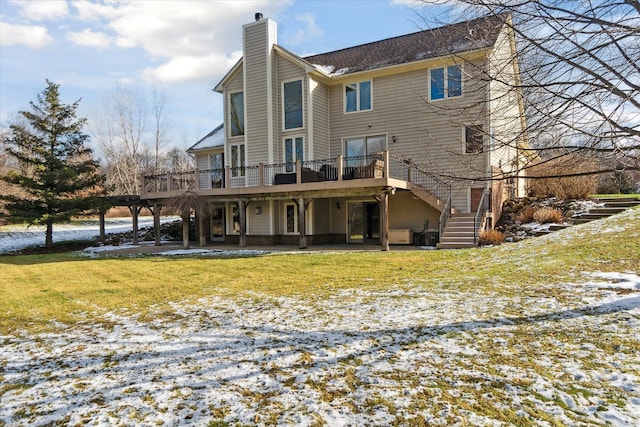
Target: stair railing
406	170
478	220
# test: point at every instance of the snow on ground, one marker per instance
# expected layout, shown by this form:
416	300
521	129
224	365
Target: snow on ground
408	355
415	354
96	251
17	237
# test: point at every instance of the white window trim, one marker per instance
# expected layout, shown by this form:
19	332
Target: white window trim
229	156
446	85
282	106
244	114
364	138
293	138
344	97
295	219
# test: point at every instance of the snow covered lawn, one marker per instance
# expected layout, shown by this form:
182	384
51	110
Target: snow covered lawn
17	237
357	358
416	353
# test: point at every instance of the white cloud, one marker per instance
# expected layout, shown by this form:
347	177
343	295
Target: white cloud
186	68
90	11
193	38
311	29
89	38
32	36
43	10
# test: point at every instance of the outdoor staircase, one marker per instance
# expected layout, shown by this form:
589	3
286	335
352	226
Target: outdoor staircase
459	232
610	207
426	196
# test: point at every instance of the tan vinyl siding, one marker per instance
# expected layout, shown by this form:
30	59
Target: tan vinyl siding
320	100
505	110
256	92
259	225
429	133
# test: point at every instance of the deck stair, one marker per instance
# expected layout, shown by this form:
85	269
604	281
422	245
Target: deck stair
459	232
426	196
610	207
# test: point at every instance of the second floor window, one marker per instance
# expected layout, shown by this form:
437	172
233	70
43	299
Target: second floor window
236	113
365	146
357	97
445	82
237	160
292	104
293	150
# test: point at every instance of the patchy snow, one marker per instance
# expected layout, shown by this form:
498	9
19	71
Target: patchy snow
17	237
415	353
327	69
412	354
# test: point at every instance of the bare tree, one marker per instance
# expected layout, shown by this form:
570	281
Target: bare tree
160	125
131	131
579	77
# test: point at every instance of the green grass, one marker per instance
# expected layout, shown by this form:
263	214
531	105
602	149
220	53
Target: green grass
615	196
38	289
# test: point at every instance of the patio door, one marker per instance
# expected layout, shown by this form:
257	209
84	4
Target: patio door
364	222
217	225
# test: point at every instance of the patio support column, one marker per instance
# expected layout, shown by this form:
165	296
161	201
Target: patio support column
202	235
156	223
242	212
103	236
302	222
135	211
185	229
384	214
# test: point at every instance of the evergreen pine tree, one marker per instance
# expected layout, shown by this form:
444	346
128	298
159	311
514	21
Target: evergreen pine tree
58	177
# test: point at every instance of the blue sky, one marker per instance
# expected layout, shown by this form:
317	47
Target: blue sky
184	47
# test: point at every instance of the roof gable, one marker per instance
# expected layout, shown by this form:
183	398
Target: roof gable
213	139
452	39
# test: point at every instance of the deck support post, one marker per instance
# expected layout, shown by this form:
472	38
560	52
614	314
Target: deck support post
302	221
156	223
103	235
185	229
242	213
202	236
135	212
384	214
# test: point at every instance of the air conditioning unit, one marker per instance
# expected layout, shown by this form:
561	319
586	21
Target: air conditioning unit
401	237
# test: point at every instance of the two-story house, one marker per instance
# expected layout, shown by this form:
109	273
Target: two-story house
389	142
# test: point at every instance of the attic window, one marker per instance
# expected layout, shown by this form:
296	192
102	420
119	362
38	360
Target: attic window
446	82
357	96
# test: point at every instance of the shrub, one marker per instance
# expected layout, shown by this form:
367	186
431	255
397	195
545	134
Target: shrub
526	215
490	237
573	187
547	215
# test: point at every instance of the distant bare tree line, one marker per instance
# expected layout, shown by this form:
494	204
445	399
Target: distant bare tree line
131	130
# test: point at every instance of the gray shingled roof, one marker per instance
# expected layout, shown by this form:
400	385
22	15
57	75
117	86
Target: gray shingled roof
213	139
465	36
